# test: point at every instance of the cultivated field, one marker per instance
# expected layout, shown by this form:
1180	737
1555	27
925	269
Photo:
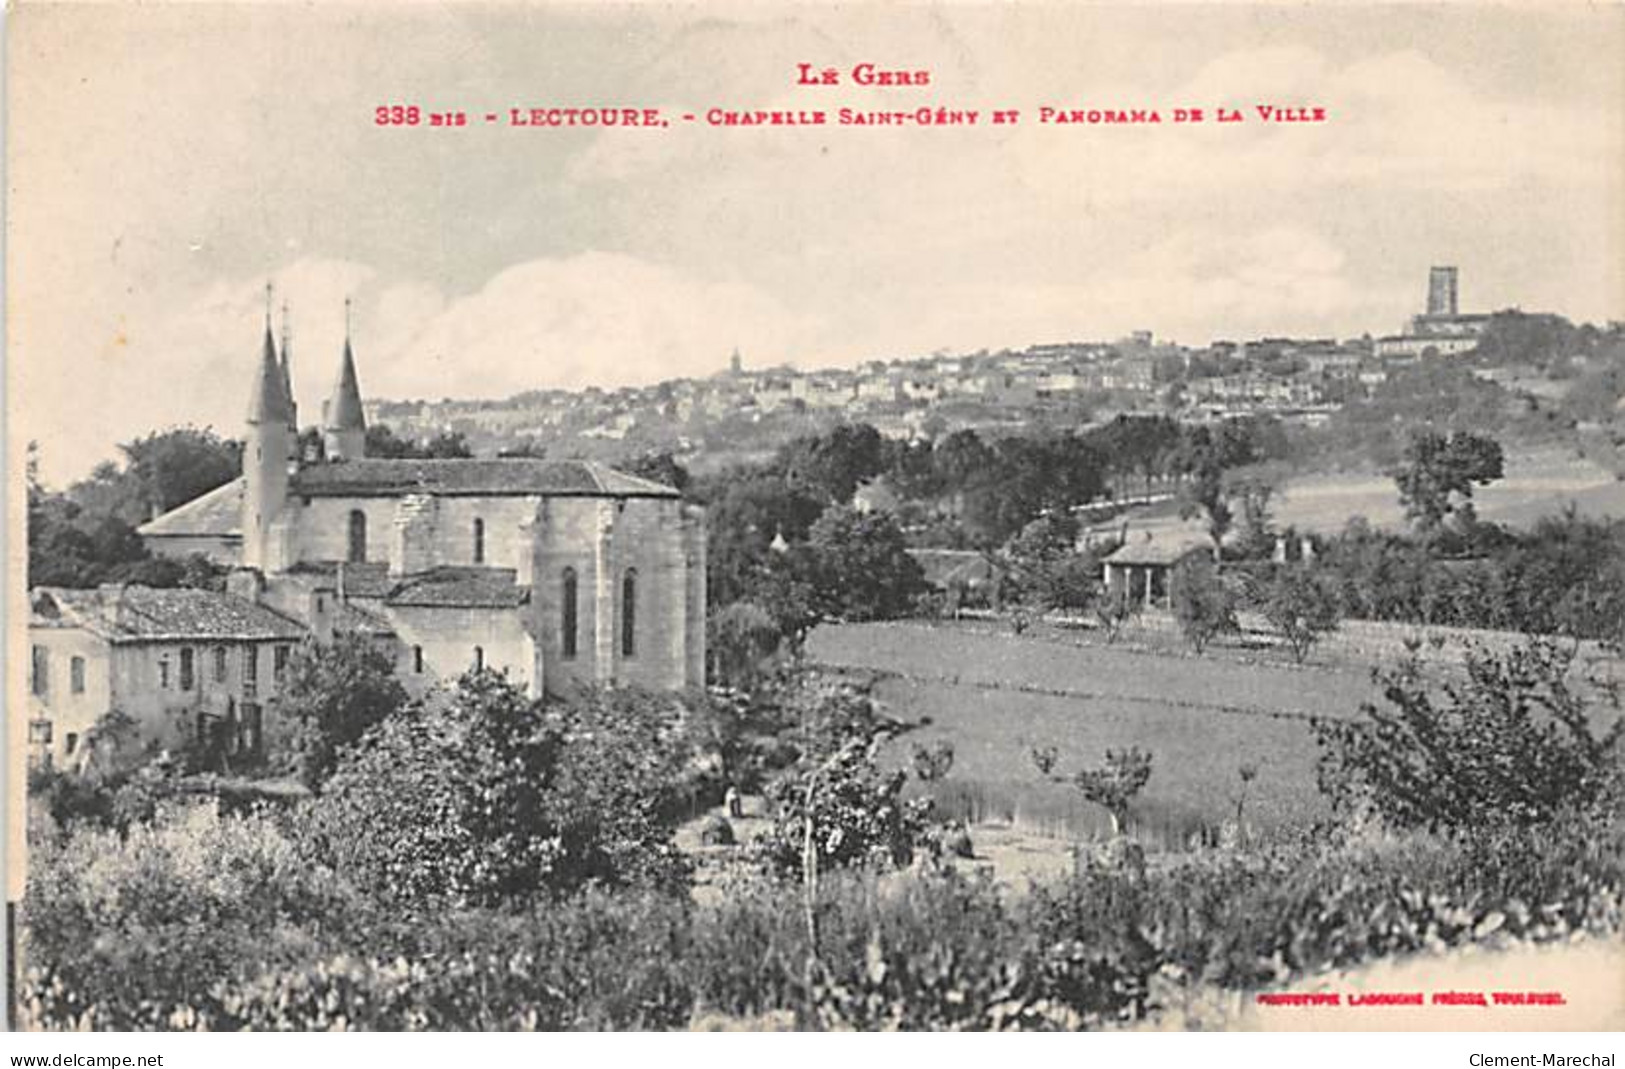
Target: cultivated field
1537	483
995	696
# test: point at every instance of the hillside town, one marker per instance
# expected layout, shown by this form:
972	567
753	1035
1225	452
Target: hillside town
1298	380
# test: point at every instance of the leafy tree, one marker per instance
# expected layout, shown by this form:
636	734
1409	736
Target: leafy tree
861	567
1437	474
1114	609
835	464
839	807
657	466
1205	495
384	443
161	471
1203	603
490	797
331	696
1511	743
1044	570
1112	786
741	637
1302	607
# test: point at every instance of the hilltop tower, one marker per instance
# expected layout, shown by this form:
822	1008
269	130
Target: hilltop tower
1442	291
268	450
344	425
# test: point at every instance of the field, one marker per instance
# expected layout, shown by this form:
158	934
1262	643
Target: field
1539	482
995	696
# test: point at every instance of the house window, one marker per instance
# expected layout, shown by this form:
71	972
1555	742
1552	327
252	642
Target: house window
220	664
629	614
251	671
358	537
279	664
39	732
479	541
417	659
567	613
163	672
70	743
186	669
41	677
479	658
76	675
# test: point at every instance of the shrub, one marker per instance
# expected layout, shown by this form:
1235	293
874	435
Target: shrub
1204	606
1512	742
1302	607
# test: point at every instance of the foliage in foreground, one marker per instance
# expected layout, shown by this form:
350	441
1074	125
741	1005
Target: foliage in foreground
1511	743
211	923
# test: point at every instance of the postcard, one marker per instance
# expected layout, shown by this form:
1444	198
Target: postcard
730	516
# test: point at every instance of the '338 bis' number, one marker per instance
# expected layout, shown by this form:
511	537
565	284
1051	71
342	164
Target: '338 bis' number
396	115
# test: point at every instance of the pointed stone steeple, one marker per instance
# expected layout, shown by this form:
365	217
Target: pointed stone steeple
287	372
268	402
268	453
344	422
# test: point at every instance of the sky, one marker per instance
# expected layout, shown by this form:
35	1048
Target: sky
165	162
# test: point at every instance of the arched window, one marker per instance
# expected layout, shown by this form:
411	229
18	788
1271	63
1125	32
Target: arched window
479	541
567	613
358	536
629	613
479	658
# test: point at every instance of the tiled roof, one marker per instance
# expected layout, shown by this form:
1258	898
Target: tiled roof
464	587
1163	548
461	588
218	513
506	476
367	580
143	614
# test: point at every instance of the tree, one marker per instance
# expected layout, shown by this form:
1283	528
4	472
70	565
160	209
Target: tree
1043	570
1205	495
1302	607
1114	609
384	443
861	567
657	466
1437	474
1511	743
161	471
1203	604
835	464
492	798
1112	786
741	637
331	696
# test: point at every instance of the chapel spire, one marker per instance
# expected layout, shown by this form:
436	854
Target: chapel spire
344	423
268	400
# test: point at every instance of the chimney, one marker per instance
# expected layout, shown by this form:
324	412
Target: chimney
245	583
321	613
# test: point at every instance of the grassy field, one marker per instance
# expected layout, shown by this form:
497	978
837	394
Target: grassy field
996	696
1539	482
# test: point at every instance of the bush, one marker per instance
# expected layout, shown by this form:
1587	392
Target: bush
1302	607
1204	606
1512	743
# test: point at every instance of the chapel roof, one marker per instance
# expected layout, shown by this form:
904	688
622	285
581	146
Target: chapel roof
218	513
505	476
